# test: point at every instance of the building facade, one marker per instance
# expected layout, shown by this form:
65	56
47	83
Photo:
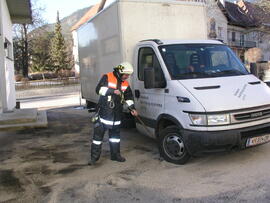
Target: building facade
241	25
11	11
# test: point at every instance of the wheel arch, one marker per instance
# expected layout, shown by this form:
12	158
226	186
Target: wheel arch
165	120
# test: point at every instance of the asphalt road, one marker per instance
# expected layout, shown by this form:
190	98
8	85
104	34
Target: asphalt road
49	165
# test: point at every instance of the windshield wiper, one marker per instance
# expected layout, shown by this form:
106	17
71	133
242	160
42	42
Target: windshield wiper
191	75
195	73
228	72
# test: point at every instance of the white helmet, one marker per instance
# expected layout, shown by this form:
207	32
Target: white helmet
125	68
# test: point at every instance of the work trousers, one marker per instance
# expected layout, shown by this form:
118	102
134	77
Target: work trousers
114	140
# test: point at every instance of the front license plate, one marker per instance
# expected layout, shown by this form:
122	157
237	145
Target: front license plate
257	140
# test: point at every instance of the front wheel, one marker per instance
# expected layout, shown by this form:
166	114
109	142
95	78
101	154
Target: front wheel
172	146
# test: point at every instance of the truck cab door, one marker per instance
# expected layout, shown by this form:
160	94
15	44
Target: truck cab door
149	102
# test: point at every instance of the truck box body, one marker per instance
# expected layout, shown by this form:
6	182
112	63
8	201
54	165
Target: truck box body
110	37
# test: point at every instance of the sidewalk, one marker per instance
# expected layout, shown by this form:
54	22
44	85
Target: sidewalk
46	98
53	101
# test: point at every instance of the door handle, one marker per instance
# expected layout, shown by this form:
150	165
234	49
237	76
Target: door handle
137	93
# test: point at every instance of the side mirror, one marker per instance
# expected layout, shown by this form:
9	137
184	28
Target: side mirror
149	78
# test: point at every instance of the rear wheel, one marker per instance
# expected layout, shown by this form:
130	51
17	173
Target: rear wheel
172	146
91	106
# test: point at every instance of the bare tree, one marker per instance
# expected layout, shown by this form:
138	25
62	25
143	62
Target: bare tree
264	4
21	39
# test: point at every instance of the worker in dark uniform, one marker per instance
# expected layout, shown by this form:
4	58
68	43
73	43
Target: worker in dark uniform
114	91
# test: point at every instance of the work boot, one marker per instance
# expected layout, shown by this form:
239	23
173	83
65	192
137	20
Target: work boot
118	157
115	152
91	162
95	154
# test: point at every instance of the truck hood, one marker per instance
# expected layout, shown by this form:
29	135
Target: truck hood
228	93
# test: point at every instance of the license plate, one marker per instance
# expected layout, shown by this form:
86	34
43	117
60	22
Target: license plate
257	140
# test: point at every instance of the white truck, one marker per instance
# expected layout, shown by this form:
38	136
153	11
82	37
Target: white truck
193	94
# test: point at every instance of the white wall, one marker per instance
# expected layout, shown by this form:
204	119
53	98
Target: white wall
264	44
213	11
2	62
7	90
75	52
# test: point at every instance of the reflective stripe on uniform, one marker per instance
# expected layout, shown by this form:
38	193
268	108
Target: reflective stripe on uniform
97	142
103	91
109	98
114	140
130	102
112	85
107	122
112	82
123	88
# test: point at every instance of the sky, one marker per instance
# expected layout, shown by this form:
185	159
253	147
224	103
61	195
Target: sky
65	7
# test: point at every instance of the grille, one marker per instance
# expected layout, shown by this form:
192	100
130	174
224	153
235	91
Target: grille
252	115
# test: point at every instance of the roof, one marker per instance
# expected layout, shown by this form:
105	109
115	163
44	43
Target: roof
240	17
88	15
244	14
262	16
168	42
20	11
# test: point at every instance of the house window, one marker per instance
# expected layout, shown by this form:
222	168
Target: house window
220	32
254	36
260	37
233	36
8	49
242	39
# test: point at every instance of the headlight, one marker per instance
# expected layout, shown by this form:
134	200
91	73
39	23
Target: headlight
198	119
221	119
202	119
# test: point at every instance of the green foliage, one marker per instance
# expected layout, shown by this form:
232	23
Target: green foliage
18	53
58	50
40	55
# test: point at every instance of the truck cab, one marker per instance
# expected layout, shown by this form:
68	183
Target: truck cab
196	96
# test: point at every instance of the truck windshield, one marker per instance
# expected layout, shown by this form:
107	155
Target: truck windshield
188	61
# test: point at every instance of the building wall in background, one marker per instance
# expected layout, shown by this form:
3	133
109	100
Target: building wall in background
7	90
216	21
75	52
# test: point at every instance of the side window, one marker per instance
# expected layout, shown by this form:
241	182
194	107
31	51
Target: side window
147	58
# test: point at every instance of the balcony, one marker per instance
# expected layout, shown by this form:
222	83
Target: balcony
241	43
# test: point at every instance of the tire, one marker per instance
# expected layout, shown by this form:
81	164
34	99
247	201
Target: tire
172	146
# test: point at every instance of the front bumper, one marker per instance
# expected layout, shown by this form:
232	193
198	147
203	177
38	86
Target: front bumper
199	142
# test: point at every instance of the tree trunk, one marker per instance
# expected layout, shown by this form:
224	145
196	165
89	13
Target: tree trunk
25	52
